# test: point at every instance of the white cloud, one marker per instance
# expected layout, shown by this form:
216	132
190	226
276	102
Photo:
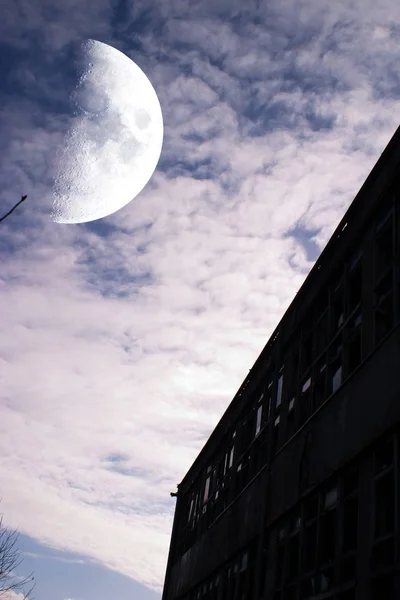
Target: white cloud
134	343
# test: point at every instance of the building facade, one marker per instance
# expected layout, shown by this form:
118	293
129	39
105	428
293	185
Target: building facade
296	493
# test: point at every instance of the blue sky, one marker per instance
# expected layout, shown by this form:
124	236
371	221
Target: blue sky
122	341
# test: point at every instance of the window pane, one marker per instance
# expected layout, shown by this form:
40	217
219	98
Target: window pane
384	504
258	420
327	541
310	547
384	455
383	554
350	523
383	587
337	379
354	288
384	309
293	551
279	392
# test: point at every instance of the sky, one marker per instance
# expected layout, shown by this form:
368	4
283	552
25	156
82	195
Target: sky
123	340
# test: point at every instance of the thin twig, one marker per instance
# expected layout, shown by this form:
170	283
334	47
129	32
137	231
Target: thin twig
10	211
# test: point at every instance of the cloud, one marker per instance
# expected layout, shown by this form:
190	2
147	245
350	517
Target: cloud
123	342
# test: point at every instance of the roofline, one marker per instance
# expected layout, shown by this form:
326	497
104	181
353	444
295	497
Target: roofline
305	287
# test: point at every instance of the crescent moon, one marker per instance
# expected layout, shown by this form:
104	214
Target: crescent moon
114	142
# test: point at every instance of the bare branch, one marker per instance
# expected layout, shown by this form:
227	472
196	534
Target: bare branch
12	210
10	561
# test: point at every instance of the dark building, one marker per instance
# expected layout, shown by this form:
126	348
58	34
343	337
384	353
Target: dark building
296	493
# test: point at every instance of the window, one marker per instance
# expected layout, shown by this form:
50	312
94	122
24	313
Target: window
305	404
384	455
306	351
293	555
330	498
311	508
384	504
350	523
191	509
354	288
231	455
308	543
269	400
383	587
207	486
280	387
384	246
336	366
337	307
259	419
384	309
280	564
347	595
383	554
310	547
321	333
306	385
290	421
348	569
354	342
320	383
328	527
350	481
276	434
337	379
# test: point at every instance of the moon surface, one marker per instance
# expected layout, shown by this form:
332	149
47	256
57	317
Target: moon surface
114	141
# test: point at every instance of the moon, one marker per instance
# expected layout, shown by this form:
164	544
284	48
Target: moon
114	139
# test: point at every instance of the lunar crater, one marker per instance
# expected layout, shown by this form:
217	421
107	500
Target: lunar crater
114	141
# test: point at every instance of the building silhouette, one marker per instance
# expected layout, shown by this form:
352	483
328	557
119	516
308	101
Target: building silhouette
296	493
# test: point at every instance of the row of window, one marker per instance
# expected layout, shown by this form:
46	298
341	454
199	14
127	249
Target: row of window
317	544
233	581
326	350
315	548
